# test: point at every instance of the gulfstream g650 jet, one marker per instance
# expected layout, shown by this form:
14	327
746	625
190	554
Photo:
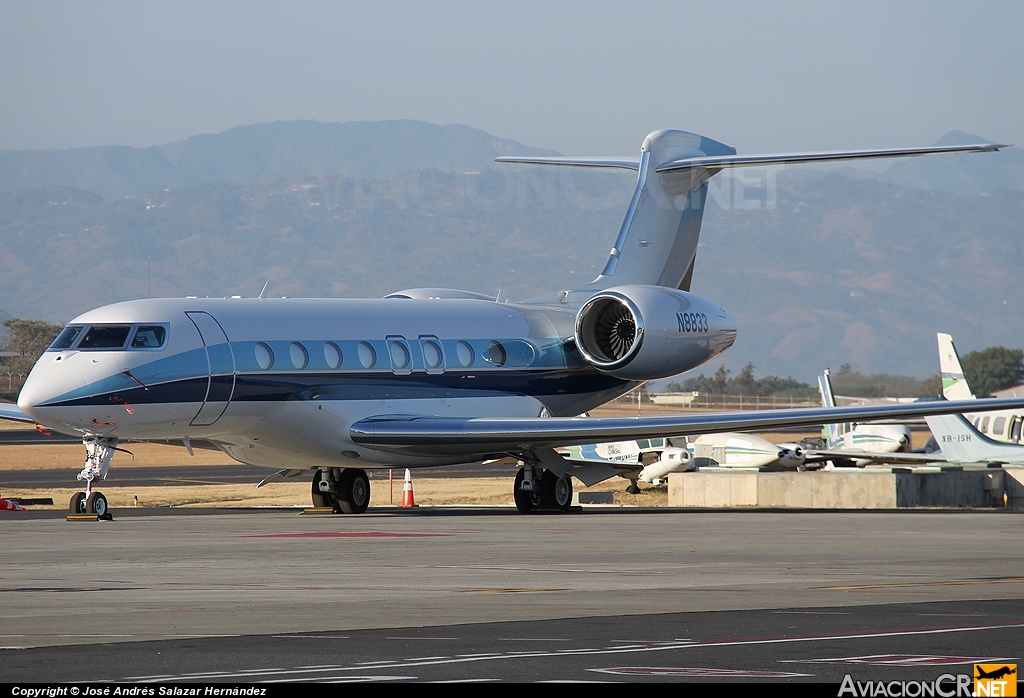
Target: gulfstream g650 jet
427	376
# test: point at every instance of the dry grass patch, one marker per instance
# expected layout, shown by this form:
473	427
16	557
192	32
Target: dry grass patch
72	456
428	491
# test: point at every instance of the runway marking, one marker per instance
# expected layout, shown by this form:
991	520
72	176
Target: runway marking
57	590
517	568
350	534
523	590
398	664
348	678
696	672
958	582
900	660
533	639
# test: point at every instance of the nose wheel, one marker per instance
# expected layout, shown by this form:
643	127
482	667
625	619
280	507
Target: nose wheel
99	451
92	503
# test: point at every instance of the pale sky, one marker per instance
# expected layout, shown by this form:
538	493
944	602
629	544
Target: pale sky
581	78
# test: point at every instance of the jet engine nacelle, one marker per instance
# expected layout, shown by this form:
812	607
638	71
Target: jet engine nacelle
648	332
671	460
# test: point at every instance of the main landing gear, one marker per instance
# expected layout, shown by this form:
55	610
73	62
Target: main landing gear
98	454
549	491
347	491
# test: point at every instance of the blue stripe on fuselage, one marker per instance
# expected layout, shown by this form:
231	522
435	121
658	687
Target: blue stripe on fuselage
277	387
184	367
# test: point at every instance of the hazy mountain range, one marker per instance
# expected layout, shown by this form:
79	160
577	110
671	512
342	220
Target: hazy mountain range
822	269
260	153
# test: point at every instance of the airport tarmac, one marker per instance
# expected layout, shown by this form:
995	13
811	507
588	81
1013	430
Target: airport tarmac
484	593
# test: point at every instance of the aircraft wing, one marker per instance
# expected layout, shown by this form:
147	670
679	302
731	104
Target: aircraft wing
11	411
484	436
875	457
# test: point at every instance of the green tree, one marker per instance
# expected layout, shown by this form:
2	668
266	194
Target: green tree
993	369
743	383
29	338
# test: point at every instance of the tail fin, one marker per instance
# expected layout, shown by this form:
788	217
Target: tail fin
832	433
954	382
657	242
961	442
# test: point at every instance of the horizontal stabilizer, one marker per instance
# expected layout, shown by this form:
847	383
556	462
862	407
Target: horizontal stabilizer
621	163
721	162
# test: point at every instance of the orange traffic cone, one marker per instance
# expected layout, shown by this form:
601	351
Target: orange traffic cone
14	506
408	500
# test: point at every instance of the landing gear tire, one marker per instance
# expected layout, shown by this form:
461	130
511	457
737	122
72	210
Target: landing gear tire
321	499
562	492
548	487
77	503
96	504
633	488
354	491
522	497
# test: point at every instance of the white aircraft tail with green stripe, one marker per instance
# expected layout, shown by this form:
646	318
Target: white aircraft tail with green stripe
954	382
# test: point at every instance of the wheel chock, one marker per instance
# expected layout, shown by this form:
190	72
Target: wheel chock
90	517
320	511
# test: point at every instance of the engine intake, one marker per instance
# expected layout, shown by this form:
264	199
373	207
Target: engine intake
609	330
647	332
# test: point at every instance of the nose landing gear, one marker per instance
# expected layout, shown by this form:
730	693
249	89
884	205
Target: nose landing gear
99	452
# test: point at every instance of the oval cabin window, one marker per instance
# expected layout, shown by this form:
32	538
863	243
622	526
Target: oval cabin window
367	356
332	355
432	354
465	353
399	355
496	354
264	356
298	355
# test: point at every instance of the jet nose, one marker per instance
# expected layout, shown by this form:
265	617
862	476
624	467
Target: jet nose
49	379
32	396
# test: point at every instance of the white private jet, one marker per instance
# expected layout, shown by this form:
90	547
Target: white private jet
429	376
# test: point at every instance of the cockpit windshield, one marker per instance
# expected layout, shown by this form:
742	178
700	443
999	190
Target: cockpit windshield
105	337
67	337
149	337
110	337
